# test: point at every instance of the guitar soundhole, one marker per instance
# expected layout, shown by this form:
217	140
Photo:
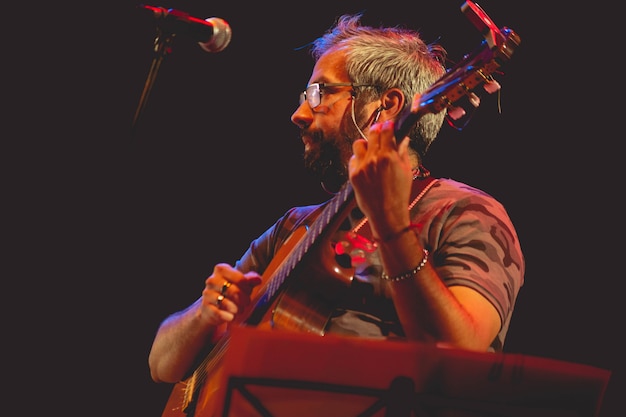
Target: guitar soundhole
353	250
344	260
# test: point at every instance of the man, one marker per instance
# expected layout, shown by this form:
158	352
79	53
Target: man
431	261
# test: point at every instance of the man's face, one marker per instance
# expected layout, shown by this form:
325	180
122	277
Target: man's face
327	131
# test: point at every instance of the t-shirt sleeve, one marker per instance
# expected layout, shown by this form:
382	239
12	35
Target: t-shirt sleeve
475	244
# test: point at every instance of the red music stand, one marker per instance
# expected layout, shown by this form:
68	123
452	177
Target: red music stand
273	373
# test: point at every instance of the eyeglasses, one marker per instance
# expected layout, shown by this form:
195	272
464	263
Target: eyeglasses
313	93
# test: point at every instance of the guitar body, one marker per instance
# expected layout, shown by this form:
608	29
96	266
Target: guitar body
305	304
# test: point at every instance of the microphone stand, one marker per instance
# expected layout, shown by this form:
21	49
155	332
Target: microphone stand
162	47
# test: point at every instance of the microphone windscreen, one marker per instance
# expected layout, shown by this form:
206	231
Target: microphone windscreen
221	35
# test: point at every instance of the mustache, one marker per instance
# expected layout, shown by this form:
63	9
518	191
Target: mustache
315	135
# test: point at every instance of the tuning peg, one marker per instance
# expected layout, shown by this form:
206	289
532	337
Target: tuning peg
491	86
474	99
456	113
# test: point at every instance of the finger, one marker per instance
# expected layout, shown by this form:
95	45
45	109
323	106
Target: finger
359	147
250	280
226	315
216	314
223	277
387	136
403	148
218	301
373	137
225	287
241	292
226	308
227	272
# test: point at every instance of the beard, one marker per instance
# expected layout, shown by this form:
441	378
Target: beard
328	156
328	162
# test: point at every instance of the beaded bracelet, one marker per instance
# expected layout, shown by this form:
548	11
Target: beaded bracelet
407	274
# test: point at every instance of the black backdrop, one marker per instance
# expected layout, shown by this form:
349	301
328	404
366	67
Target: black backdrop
113	231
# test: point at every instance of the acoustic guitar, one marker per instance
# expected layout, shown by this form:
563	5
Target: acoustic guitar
304	281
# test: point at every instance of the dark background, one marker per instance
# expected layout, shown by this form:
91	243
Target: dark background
111	231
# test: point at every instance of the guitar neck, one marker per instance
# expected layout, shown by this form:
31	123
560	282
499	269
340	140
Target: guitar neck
333	213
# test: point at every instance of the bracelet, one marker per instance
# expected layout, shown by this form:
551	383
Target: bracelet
407	274
393	236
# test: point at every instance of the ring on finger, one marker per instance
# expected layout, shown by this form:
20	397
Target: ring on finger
218	301
225	287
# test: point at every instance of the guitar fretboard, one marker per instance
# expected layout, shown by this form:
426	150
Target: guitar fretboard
320	225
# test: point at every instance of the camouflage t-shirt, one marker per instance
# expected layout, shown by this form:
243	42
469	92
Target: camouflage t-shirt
471	239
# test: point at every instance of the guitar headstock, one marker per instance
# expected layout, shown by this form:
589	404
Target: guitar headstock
461	80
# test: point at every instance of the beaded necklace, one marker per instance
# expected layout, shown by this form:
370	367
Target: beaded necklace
419	172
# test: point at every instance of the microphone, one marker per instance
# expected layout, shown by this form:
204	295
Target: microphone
212	34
